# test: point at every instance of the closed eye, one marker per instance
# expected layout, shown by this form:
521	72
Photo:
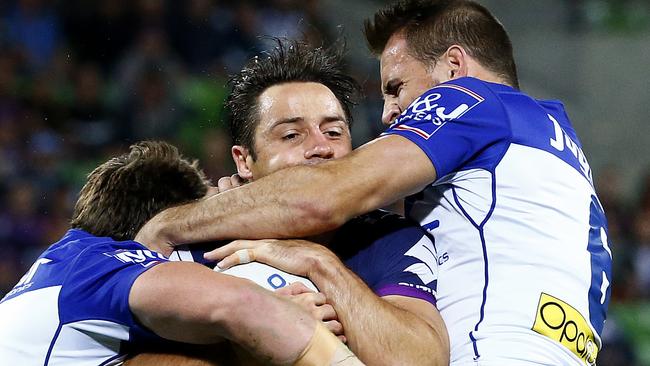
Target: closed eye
333	133
290	136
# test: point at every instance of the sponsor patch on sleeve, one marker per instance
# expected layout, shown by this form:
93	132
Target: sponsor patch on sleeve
440	105
563	323
142	257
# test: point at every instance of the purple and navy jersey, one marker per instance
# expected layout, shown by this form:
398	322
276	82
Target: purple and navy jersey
520	233
391	254
72	306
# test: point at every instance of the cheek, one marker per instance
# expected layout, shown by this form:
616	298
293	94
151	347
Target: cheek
342	149
275	160
405	99
408	96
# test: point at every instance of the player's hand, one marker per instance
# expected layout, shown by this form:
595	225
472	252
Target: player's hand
315	303
211	192
300	257
150	233
226	183
149	237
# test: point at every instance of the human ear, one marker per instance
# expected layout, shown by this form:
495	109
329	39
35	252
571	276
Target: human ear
243	160
457	60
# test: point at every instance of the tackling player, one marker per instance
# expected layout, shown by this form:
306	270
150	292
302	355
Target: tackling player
94	294
291	107
499	178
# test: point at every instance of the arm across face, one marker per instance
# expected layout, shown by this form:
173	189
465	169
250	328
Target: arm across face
299	201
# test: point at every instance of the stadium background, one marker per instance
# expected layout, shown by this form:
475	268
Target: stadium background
80	80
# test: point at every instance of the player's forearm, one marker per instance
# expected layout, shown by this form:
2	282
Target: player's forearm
298	203
260	323
378	332
187	302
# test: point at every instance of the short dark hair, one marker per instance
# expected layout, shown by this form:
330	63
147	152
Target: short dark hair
432	26
122	194
288	61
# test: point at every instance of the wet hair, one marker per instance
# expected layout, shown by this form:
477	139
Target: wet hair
289	61
432	26
122	194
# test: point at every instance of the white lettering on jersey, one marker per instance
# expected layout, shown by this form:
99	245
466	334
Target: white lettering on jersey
26	281
32	271
422	105
425	252
135	256
605	284
603	288
422	108
603	238
558	142
419	287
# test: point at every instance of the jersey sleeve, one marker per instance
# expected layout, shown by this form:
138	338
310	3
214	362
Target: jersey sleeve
98	285
409	265
393	255
455	124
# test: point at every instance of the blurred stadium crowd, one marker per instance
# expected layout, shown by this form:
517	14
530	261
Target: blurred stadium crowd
81	80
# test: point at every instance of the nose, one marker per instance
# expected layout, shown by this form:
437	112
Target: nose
391	111
319	146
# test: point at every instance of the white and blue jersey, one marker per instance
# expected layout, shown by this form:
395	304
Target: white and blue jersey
525	265
392	255
72	306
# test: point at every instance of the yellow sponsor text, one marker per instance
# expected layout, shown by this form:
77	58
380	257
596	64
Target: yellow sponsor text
563	323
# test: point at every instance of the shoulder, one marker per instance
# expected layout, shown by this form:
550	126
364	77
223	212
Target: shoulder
92	270
89	245
469	100
78	247
90	258
81	240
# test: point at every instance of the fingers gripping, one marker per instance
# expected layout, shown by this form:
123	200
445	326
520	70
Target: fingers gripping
245	256
294	288
227	183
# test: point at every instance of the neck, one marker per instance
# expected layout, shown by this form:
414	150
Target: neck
476	70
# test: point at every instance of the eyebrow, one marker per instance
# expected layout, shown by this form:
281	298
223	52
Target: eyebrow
390	86
285	121
335	118
330	118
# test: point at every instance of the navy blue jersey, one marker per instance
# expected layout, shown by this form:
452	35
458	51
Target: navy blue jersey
391	254
72	308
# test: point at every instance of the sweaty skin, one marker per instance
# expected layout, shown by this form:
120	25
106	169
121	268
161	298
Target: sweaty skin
304	124
308	200
294	133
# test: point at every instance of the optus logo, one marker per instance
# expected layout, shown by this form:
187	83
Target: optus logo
563	323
